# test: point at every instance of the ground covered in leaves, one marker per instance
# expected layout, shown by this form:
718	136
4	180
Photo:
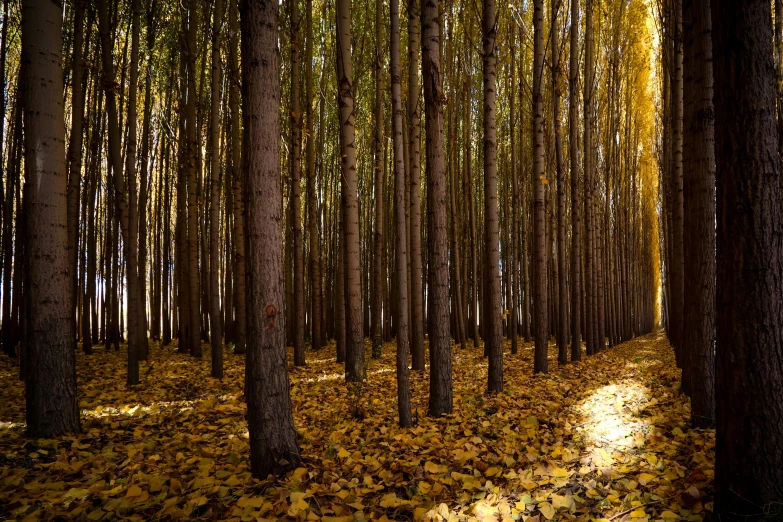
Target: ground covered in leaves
604	439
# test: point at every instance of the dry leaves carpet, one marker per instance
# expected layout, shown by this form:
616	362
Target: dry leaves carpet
604	439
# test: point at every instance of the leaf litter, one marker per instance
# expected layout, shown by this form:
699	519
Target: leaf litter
605	439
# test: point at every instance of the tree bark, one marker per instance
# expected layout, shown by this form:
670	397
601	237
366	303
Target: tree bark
269	417
296	201
216	337
50	387
749	393
576	219
539	185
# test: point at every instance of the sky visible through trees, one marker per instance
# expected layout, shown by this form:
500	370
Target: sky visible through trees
231	230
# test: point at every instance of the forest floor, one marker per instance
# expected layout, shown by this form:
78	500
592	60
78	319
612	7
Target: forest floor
604	439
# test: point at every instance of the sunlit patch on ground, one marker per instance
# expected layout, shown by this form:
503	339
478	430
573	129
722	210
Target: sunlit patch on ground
606	438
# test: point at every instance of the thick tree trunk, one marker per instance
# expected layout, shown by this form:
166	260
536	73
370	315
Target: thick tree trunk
269	417
437	241
50	387
748	378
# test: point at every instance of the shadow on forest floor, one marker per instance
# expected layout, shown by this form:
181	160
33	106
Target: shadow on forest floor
605	438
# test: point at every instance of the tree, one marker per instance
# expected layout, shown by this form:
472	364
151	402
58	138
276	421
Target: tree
573	151
494	333
677	261
216	337
354	348
540	301
403	384
438	263
562	319
50	384
269	417
378	272
749	340
699	219
295	201
414	175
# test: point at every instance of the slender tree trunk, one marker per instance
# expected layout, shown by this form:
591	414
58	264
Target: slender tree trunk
312	189
562	288
494	332
576	220
237	184
677	279
74	149
378	254
539	185
295	201
50	387
354	349
414	148
216	337
749	348
401	320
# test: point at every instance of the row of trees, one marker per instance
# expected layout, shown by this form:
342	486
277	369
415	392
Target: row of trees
192	225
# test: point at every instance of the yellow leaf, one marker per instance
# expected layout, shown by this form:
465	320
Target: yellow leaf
424	487
645	478
96	514
232	481
390	501
547	510
255	502
638	513
670	515
492	471
560	472
343	454
431	467
133	491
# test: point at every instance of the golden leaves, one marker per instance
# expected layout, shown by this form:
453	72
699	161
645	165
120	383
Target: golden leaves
605	437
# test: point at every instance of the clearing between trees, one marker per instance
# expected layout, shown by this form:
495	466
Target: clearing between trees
607	438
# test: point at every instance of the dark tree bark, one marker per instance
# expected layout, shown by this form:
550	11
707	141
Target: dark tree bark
437	241
216	337
541	307
576	220
354	346
238	184
699	206
269	417
378	240
414	153
74	152
52	407
403	384
677	261
748	378
296	200
494	329
312	191
562	288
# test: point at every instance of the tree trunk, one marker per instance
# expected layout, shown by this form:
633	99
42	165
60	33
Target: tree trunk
401	320
52	407
216	337
414	152
749	347
494	332
295	201
576	220
378	255
562	318
269	417
437	241
539	184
